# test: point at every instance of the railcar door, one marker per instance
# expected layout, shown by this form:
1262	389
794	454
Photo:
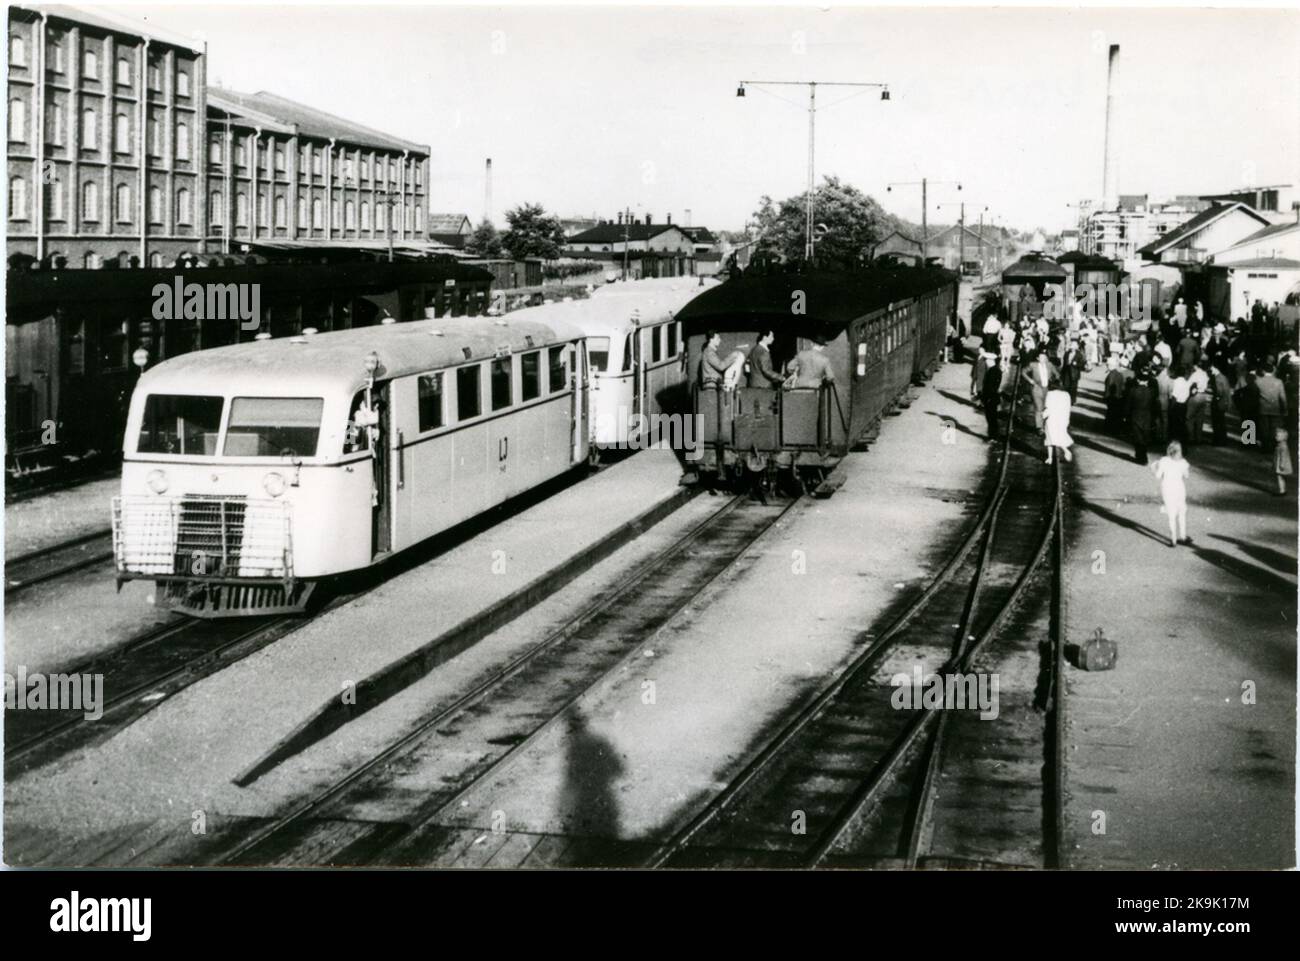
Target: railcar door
638	377
575	355
381	459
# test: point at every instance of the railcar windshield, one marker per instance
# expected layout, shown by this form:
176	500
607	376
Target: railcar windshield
598	354
180	424
272	426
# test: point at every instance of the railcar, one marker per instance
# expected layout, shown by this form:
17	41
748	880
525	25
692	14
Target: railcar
252	473
883	329
636	357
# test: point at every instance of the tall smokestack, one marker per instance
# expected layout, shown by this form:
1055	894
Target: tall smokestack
487	191
1109	180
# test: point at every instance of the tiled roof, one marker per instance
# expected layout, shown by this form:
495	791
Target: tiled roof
699	235
1269	231
315	123
617	233
1194	226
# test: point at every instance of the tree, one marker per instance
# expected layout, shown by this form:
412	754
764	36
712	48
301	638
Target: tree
533	233
484	241
854	224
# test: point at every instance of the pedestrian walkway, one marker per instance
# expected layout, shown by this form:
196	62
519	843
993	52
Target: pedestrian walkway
50	519
1183	755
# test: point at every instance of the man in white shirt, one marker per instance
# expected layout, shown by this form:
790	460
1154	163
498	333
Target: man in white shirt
1199	403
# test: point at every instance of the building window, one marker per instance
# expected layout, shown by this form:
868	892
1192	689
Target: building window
279	158
241	151
419	175
155	76
121	134
365	215
182	142
350	215
216	213
281	212
155	259
155	205
302	212
89	129
17	198
418	221
56	122
17	119
365	168
90	200
317	213
263	210
410	217
124	71
90	261
336	218
17	51
54	52
122	203
54	200
317	162
90	64
155	137
381	216
304	160
182	83
184	212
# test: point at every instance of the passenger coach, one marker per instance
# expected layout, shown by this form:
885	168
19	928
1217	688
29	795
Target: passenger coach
254	471
883	329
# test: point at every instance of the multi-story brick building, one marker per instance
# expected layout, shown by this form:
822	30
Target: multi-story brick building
105	140
137	162
283	173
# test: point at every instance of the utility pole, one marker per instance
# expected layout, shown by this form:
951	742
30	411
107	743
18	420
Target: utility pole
627	224
925	204
809	207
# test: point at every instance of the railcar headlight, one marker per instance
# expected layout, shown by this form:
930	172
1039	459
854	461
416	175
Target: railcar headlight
157	481
273	483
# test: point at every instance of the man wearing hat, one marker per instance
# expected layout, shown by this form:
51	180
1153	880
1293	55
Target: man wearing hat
1141	408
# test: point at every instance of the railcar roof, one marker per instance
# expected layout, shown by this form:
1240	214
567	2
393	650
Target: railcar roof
610	307
831	299
335	361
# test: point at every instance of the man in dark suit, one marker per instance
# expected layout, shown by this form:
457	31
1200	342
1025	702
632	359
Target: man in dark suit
761	371
1142	406
991	393
1072	364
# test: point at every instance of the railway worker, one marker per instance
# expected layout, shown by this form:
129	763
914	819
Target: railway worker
990	392
761	371
1039	376
811	367
1142	408
712	367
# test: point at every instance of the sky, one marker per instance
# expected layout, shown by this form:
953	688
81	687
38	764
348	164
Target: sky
588	110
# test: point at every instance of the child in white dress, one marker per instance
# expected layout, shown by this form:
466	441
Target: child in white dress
1056	422
1172	472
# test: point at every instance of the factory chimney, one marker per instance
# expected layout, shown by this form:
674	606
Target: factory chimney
1109	179
487	191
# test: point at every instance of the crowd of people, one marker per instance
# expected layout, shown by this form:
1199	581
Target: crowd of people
1163	387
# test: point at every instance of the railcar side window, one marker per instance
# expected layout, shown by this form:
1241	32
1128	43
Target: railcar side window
502	389
180	424
656	345
530	375
672	339
269	426
558	381
597	354
627	352
430	400
468	402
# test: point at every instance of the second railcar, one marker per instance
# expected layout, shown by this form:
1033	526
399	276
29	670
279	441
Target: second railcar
882	329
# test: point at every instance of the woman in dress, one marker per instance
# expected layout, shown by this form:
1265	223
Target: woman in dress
1056	421
1172	471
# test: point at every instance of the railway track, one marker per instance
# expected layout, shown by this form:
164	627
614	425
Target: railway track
391	809
852	780
57	560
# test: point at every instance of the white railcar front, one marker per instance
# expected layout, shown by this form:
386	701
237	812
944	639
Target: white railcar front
251	472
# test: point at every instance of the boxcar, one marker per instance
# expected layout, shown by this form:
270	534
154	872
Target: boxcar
252	472
884	328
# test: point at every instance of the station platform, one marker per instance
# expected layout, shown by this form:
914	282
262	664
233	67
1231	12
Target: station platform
188	750
49	519
1183	755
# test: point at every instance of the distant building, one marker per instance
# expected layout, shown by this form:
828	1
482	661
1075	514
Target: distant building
1194	240
897	242
1278	202
957	245
450	229
613	238
1263	266
1136	221
576	225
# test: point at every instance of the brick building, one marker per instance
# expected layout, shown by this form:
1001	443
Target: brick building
143	163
